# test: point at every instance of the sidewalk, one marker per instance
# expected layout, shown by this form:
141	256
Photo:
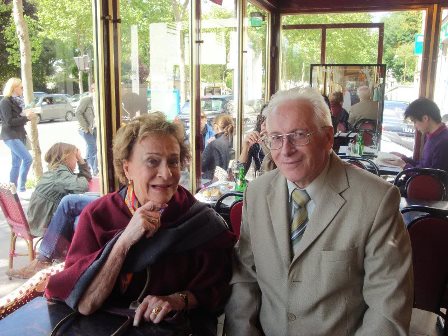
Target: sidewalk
6	285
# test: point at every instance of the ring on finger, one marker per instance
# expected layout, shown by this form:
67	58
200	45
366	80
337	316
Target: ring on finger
156	310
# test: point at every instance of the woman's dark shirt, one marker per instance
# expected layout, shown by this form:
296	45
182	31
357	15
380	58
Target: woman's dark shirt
217	153
13	124
255	153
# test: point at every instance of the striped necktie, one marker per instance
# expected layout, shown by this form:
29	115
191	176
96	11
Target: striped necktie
300	220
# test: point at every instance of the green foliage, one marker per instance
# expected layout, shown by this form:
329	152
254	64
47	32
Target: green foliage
300	48
399	33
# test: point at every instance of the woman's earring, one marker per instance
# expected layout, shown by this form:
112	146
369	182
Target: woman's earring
130	182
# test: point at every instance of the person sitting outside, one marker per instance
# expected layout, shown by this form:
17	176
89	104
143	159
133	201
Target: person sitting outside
339	116
217	152
208	134
58	181
255	149
57	238
365	109
425	115
158	229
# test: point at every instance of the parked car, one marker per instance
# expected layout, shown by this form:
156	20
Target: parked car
74	100
52	107
211	105
215	105
37	95
393	118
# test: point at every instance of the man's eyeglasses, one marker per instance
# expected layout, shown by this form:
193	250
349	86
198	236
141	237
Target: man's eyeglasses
296	138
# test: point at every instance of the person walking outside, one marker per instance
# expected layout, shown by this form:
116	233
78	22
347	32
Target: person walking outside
85	114
14	118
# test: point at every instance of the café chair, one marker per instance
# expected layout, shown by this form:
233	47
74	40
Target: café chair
236	212
425	184
32	288
429	240
225	204
368	129
362	163
16	219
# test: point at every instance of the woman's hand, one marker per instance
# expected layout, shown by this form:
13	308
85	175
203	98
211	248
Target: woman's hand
398	162
146	221
29	114
251	138
155	308
79	157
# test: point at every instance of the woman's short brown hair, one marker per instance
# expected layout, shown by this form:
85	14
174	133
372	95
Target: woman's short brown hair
57	154
138	129
337	97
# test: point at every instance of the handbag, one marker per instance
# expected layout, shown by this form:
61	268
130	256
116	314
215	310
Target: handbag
50	317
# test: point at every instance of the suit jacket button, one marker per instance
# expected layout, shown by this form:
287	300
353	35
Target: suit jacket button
291	317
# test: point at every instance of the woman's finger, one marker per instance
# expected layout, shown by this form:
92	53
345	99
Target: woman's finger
139	312
161	311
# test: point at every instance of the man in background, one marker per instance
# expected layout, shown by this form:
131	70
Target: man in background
85	114
365	109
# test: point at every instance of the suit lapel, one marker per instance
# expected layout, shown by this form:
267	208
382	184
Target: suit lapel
278	207
328	204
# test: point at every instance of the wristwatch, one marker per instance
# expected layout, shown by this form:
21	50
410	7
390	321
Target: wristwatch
184	297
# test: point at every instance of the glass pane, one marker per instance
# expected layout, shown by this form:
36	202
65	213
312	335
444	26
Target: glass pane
154	57
441	87
299	49
352	46
255	63
218	58
403	77
62	68
155	68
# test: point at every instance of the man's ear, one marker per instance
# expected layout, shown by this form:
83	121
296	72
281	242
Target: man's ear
329	135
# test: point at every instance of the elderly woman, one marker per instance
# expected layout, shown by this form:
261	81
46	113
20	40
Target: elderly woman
150	245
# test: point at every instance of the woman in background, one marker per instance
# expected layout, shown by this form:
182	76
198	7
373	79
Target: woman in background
254	148
58	181
339	116
217	152
13	133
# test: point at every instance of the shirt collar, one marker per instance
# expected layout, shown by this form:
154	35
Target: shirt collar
314	187
436	132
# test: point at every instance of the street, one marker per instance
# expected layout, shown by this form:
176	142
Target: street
49	134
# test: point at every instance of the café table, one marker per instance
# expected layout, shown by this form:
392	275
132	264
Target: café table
223	187
40	317
370	153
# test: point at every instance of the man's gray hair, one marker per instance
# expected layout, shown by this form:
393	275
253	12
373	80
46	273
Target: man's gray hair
322	115
363	92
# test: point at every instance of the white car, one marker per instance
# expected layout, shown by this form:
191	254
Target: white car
53	107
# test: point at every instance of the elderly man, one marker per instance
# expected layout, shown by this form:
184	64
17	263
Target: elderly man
365	109
323	249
